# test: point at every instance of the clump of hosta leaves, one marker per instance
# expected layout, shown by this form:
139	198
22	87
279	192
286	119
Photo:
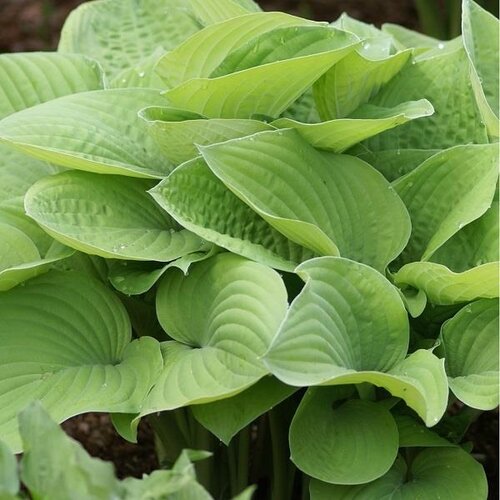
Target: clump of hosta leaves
274	239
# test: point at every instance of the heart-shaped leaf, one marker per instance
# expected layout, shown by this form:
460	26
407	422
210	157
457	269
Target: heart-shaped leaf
342	442
329	203
75	359
210	210
109	216
222	316
413	434
349	325
470	346
97	131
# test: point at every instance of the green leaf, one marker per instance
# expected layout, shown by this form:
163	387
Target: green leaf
214	11
9	482
474	245
341	333
222	317
109	216
178	132
354	81
413	434
434	473
444	80
470	344
342	442
120	33
15	248
359	28
408	39
326	202
445	193
54	466
394	163
225	418
211	211
444	287
480	31
142	74
339	135
268	89
135	278
65	340
31	78
97	131
349	325
200	54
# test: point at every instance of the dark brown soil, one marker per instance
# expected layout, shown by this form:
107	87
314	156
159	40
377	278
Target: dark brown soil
97	434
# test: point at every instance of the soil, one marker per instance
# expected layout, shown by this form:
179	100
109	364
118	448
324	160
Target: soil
27	25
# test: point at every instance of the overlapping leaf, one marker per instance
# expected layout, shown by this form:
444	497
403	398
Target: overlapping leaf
342	441
470	345
349	325
444	80
109	216
435	472
339	135
445	193
96	131
328	203
206	207
214	11
65	339
266	89
178	132
222	317
200	54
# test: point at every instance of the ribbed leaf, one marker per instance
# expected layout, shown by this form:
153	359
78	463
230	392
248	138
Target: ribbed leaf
339	135
223	317
444	287
470	344
268	89
109	216
225	418
405	38
353	81
434	473
328	203
210	210
349	325
15	247
96	131
445	193
65	339
178	132
214	11
342	442
143	74
200	54
444	80
480	34
27	79
120	33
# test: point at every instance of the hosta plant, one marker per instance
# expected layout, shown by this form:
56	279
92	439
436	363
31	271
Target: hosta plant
273	239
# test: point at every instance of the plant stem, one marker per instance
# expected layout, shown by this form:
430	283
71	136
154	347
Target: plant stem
243	459
366	391
430	18
279	488
454	14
